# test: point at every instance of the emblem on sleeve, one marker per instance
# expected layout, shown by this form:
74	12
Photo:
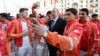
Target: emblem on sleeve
76	31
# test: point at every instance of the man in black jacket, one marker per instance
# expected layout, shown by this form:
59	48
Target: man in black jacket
56	25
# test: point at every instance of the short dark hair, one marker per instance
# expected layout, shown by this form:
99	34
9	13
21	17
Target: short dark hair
17	15
95	15
72	10
85	10
48	12
22	9
5	15
31	15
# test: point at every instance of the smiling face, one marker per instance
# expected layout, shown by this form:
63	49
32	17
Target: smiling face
83	14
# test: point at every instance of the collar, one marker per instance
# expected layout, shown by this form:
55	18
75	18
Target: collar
55	19
6	21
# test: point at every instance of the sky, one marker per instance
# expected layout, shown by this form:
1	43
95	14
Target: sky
12	6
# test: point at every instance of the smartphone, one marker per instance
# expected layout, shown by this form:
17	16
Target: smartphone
33	20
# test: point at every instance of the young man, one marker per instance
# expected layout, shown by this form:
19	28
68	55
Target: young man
69	41
96	20
6	25
22	33
4	21
4	41
90	33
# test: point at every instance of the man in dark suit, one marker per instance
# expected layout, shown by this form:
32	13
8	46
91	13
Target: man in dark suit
56	25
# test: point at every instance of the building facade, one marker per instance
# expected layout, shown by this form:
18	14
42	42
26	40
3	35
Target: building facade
92	5
12	6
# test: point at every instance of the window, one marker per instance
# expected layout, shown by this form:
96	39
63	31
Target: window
96	0
96	5
91	1
68	3
86	1
67	0
81	1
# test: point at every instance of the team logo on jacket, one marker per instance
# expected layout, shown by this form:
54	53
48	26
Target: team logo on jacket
76	31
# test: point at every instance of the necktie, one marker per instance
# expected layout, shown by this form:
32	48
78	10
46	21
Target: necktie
52	24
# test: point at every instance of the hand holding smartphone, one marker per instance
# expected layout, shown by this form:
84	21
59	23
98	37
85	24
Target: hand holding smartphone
33	20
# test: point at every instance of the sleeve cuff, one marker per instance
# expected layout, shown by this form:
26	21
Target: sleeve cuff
45	34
